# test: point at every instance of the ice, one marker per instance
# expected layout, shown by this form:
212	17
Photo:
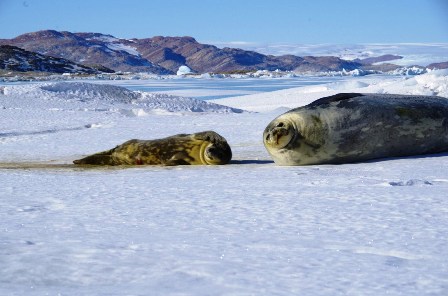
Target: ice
183	70
247	228
342	86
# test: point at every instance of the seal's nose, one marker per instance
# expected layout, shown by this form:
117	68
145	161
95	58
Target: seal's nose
273	136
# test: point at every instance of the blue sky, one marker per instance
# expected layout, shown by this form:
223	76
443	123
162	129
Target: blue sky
252	21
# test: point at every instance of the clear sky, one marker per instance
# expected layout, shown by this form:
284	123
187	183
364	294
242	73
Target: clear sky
221	21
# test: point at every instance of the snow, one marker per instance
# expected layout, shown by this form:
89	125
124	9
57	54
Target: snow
114	44
122	47
247	228
96	97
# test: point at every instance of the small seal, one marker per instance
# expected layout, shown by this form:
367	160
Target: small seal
204	148
351	127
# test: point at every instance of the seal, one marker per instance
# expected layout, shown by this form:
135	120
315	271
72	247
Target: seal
353	127
204	148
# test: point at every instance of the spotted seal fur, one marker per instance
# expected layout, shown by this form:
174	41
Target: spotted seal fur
204	148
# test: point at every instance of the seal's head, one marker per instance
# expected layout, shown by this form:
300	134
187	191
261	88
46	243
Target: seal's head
216	153
278	134
292	138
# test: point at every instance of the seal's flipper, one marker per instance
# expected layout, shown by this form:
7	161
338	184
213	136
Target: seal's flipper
180	158
101	158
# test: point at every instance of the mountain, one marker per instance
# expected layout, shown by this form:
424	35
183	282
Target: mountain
86	49
441	65
173	52
379	59
16	59
164	55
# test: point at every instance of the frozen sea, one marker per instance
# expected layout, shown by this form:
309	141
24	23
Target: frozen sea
219	88
247	228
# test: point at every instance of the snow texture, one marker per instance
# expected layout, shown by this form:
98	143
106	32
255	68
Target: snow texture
96	97
114	44
247	228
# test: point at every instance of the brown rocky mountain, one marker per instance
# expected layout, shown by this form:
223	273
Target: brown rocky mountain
86	49
441	65
383	58
164	55
16	59
173	52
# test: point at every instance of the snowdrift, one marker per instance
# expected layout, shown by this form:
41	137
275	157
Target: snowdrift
97	97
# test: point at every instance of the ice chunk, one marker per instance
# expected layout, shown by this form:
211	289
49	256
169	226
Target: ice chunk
183	70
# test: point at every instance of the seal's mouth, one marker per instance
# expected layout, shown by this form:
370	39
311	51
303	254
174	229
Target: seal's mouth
278	135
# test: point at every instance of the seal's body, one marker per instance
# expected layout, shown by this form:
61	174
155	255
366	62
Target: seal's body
352	127
184	149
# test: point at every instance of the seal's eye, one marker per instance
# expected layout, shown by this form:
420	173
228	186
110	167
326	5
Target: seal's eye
281	124
268	137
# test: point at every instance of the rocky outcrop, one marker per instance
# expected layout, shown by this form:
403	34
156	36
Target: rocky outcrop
442	65
379	59
86	48
16	59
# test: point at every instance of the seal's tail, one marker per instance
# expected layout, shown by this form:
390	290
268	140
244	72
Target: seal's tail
101	158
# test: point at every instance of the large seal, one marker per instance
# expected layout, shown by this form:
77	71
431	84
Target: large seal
183	149
351	127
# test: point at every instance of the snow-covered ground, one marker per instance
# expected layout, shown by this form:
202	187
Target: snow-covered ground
247	228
